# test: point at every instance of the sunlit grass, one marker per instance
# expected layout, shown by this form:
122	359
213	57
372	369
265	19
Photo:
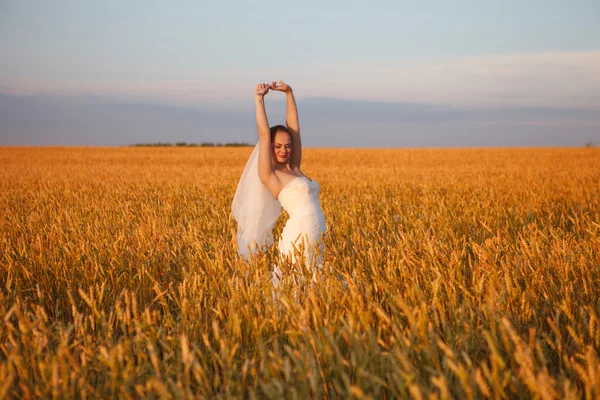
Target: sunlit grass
470	273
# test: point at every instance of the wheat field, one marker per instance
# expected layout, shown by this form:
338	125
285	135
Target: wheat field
449	273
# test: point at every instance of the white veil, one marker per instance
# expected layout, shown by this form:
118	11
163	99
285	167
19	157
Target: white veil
255	210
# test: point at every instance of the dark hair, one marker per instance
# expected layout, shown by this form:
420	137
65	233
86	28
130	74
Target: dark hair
279	128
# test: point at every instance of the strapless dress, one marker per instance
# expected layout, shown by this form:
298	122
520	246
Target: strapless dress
306	225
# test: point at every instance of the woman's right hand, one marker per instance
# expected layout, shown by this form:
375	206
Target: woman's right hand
262	89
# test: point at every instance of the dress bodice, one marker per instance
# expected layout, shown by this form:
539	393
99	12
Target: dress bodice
300	197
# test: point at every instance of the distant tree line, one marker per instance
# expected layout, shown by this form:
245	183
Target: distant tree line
184	144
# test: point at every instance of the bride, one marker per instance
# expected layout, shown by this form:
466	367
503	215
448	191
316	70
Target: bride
271	179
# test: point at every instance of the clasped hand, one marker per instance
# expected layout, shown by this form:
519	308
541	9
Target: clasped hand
263	88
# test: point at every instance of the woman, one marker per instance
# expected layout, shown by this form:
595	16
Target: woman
272	178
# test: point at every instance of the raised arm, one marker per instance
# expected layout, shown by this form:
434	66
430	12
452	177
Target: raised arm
292	122
266	173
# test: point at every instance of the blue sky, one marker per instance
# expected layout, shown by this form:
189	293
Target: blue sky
510	56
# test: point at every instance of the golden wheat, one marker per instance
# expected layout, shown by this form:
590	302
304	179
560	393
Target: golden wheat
470	273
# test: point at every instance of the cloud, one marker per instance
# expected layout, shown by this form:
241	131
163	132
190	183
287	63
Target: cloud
179	92
326	122
560	79
549	79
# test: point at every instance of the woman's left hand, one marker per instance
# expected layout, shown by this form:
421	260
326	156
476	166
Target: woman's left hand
282	87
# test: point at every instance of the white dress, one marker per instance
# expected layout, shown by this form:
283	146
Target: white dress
306	225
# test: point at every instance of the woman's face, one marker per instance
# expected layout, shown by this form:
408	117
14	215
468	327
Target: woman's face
282	147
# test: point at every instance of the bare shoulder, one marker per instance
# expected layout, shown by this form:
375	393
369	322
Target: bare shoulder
296	169
285	177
